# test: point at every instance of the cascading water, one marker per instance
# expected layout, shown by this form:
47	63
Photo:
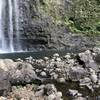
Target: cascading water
11	25
16	7
2	37
10	34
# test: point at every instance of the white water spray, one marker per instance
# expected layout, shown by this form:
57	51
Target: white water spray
7	38
16	7
2	37
11	26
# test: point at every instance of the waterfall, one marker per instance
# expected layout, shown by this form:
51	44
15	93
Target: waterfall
2	37
16	7
9	26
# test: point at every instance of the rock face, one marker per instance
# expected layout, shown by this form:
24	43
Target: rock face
41	26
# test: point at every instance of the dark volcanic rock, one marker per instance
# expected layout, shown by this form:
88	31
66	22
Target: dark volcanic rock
40	30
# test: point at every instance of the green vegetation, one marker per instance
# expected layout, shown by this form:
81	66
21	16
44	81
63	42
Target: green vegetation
83	16
54	9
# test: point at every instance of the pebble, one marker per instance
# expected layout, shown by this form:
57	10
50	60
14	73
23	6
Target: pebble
51	97
61	80
58	69
73	92
67	56
19	60
46	58
37	70
56	55
43	74
3	98
59	94
58	59
94	78
80	98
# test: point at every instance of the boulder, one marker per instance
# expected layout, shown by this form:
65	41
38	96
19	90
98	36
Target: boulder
87	58
52	93
86	82
77	73
4	83
7	64
23	73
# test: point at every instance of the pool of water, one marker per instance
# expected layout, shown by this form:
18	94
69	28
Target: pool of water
36	55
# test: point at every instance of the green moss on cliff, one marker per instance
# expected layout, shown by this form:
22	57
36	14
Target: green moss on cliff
86	16
54	9
80	16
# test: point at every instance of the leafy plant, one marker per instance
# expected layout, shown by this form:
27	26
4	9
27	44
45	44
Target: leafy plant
85	16
82	16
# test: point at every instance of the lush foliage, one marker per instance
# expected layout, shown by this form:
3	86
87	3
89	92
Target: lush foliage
81	16
54	9
85	16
